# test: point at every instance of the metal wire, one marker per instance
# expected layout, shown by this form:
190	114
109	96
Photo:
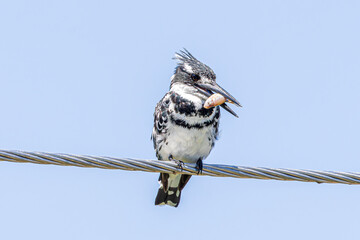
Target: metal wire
214	170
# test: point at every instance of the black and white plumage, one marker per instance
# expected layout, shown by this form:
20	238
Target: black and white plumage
184	131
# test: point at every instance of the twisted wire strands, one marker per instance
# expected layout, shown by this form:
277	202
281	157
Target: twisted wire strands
214	170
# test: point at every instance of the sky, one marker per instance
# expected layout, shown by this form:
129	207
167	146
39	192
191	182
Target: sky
83	77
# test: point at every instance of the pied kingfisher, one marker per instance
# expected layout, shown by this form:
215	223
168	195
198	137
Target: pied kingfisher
184	131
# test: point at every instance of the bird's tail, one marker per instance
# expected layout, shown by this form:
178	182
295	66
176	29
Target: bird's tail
170	188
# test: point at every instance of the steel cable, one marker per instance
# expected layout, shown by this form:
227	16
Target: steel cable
214	170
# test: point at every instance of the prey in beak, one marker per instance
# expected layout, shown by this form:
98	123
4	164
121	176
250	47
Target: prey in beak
217	96
202	77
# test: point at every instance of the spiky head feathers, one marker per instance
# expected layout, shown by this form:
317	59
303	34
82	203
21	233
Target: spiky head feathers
189	64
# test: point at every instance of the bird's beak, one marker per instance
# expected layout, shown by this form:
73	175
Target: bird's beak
214	87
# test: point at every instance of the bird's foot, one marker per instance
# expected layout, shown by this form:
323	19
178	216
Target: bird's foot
180	164
199	166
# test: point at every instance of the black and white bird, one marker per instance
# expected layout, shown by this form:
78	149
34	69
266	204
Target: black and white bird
184	131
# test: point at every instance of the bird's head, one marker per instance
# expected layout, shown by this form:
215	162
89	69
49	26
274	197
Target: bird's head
192	72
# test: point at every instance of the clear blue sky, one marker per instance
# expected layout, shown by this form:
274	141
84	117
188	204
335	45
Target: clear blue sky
83	77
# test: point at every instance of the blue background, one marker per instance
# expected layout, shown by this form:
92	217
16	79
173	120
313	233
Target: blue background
83	77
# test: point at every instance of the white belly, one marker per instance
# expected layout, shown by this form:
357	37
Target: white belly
187	145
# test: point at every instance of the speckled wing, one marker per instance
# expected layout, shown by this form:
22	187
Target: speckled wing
216	122
161	121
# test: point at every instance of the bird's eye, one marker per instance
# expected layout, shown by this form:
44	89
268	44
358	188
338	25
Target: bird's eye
195	77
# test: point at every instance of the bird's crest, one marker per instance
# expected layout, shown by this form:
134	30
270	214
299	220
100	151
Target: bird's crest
185	57
189	63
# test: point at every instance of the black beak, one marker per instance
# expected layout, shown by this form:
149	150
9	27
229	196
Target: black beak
208	88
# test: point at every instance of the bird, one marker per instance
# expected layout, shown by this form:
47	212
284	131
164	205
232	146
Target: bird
184	131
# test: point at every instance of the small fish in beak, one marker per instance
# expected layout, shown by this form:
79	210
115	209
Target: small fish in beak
218	98
214	100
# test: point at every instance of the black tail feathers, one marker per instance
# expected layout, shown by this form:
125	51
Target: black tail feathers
170	197
171	185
